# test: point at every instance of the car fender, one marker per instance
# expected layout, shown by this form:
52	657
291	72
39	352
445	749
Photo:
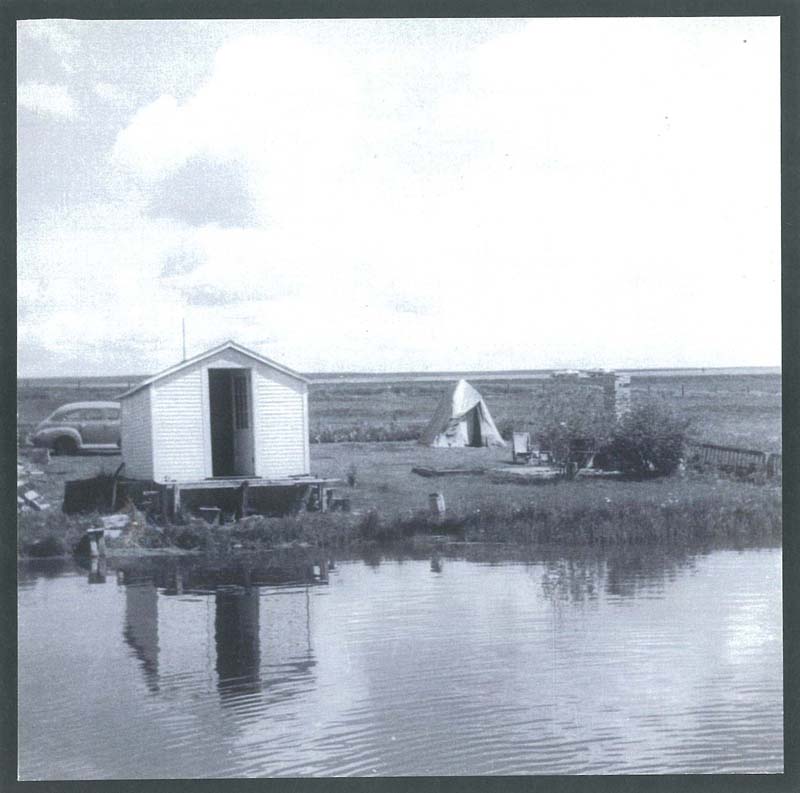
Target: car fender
49	435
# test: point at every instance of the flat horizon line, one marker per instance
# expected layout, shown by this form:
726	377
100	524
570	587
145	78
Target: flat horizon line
334	377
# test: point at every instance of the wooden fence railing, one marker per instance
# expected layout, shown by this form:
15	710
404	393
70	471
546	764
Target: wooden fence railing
741	461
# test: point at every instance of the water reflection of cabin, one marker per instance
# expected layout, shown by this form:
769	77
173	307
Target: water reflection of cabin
253	640
210	423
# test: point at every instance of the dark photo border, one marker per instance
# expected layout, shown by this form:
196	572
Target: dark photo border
789	12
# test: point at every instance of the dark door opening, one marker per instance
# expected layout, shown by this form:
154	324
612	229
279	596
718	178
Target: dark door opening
474	427
221	409
231	425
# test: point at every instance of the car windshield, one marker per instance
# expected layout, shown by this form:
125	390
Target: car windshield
66	415
85	414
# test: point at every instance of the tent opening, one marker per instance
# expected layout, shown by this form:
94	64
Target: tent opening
231	422
474	428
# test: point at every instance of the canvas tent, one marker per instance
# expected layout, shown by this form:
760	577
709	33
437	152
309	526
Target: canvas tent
461	419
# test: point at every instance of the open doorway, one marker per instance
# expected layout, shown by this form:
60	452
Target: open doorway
231	422
474	437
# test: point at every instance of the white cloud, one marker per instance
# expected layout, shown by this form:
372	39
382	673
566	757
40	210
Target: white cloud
234	266
47	99
86	279
576	192
157	140
286	108
110	93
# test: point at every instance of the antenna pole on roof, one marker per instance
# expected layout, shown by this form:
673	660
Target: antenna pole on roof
183	328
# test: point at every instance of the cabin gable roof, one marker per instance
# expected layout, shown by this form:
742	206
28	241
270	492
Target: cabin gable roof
228	345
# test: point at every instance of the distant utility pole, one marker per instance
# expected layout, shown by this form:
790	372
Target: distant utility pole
183	329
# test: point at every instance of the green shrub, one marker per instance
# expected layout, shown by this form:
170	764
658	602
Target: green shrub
650	439
572	417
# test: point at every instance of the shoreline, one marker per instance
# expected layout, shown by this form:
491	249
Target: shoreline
584	515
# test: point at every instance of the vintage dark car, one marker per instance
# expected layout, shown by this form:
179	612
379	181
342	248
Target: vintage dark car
80	426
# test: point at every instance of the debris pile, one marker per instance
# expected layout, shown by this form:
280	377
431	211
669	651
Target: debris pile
28	498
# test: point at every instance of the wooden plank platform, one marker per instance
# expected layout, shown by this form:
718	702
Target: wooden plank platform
526	473
245	485
234	482
242	494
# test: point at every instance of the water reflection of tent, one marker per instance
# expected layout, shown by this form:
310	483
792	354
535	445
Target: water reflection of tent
462	418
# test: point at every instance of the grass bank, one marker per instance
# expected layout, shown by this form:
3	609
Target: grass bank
389	502
664	512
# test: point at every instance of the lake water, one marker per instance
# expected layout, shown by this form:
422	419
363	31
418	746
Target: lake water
637	661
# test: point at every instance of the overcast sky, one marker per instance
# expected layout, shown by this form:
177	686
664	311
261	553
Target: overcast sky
390	194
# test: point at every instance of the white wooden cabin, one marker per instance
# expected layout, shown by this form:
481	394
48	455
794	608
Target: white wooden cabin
226	413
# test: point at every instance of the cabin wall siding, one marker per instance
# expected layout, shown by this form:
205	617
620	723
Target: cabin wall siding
280	424
179	426
137	436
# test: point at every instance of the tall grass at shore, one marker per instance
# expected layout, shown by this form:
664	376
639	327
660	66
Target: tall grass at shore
673	512
624	514
627	519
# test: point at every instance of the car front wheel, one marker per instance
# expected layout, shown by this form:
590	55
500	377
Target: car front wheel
64	446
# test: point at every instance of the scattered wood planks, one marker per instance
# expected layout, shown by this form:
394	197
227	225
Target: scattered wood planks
431	472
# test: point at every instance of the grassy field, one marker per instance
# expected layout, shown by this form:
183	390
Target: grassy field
742	411
390	502
735	410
